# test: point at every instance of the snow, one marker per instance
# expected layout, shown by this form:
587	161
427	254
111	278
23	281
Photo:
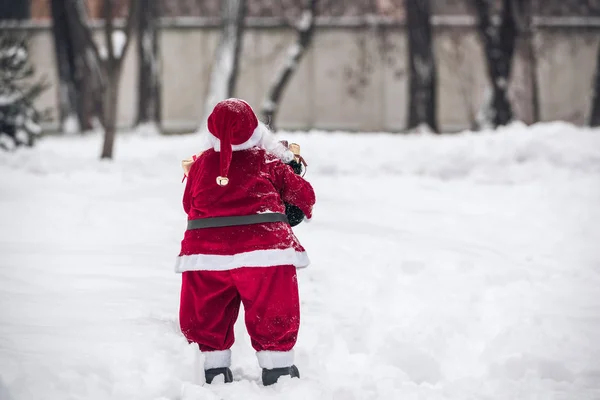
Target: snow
21	136
32	126
269	105
71	125
8	99
6	142
305	20
293	56
119	38
457	267
18	54
422	128
502	82
148	129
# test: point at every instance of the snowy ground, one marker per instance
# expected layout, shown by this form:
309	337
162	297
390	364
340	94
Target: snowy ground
461	267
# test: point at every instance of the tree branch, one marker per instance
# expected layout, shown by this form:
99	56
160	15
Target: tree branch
304	30
78	17
132	20
108	33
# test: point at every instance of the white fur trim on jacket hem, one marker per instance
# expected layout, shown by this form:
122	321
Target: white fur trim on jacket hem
217	359
275	359
257	258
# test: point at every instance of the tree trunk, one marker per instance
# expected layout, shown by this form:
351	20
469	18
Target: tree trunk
595	114
104	71
533	67
498	32
109	118
225	67
422	75
90	88
235	26
68	94
87	68
286	70
149	86
525	46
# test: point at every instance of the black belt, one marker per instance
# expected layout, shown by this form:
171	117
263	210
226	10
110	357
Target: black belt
218	222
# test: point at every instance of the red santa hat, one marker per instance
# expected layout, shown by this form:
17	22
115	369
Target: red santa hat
234	124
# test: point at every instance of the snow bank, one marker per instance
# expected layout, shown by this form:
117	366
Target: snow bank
426	282
119	38
511	154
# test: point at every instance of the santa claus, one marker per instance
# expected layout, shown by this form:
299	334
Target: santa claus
239	246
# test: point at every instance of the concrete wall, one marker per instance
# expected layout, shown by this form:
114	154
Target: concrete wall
353	78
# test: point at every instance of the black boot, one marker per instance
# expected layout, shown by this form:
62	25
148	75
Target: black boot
212	373
270	376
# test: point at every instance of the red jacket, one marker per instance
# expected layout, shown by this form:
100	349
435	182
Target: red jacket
258	183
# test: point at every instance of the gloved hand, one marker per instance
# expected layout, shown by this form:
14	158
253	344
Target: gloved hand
294	214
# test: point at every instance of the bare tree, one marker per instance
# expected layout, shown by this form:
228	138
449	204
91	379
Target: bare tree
422	67
105	63
225	66
79	102
525	46
305	30
595	114
68	90
498	31
149	83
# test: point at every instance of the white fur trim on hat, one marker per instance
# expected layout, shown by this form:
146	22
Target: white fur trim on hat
254	140
262	137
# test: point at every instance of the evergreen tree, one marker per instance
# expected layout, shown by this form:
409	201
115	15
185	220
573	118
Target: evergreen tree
19	117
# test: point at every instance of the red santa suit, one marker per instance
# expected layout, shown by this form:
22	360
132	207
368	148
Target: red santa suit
250	264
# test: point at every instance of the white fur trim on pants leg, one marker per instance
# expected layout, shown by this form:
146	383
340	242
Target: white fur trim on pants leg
275	359
217	359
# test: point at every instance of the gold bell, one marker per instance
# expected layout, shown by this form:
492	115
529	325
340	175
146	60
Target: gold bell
222	180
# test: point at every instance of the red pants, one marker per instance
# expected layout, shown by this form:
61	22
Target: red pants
210	303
